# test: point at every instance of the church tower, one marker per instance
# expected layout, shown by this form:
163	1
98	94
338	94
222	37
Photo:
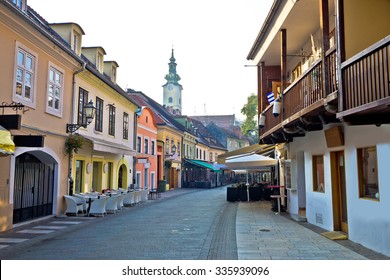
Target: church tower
172	89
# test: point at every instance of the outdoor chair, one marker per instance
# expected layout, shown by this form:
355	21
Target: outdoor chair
98	206
121	198
137	197
82	199
144	195
112	204
129	199
73	205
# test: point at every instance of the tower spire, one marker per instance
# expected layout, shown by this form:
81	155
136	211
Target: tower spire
172	76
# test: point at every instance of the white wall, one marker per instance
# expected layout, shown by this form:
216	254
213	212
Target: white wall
369	220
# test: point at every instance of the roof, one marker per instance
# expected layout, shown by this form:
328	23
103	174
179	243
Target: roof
161	115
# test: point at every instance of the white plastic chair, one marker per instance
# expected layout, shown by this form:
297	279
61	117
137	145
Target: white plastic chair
137	197
98	207
82	199
144	195
129	199
120	203
112	204
73	206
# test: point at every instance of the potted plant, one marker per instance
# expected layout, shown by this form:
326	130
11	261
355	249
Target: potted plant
168	163
73	143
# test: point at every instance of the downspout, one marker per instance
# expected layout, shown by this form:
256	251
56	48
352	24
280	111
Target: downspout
72	110
163	159
135	131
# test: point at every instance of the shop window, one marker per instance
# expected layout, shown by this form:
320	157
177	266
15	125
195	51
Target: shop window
318	174
368	173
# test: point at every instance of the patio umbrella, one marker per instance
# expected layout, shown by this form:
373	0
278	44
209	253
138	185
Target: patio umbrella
249	161
7	146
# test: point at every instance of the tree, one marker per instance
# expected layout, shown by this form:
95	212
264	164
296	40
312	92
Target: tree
249	126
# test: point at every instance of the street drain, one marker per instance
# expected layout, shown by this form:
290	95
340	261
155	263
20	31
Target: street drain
264	230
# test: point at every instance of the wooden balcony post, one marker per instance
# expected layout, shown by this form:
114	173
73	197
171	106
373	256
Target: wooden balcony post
324	23
283	67
340	46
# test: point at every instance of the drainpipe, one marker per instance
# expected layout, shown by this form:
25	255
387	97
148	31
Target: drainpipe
72	110
135	149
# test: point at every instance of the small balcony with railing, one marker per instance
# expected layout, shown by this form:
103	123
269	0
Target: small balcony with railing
305	105
365	88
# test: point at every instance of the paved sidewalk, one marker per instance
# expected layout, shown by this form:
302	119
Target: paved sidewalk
265	235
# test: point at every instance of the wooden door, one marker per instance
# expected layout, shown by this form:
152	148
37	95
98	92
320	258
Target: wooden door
339	194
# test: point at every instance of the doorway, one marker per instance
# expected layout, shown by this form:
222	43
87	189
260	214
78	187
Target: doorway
33	187
339	193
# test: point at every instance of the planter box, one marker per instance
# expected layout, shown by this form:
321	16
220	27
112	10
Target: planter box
232	194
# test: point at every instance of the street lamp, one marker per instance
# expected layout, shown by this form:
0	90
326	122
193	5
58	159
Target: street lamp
89	110
173	149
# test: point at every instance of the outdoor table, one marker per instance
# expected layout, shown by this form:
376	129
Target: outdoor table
278	197
91	197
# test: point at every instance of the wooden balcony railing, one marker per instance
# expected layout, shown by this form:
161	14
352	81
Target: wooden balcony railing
366	76
304	92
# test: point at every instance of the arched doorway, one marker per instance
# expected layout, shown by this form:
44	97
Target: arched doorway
122	177
33	186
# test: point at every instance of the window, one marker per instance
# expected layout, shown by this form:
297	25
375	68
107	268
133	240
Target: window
25	76
111	120
125	126
146	146
368	173
153	152
170	100
83	100
99	114
318	174
54	91
113	74
18	3
138	144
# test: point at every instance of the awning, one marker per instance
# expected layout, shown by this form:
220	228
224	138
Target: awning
110	147
256	148
202	164
7	146
253	161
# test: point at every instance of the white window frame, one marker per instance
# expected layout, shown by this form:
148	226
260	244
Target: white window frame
30	102
60	86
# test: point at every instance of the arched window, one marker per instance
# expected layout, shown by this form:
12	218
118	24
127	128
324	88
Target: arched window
170	100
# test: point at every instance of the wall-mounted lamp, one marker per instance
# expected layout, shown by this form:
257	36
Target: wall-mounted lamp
173	149
277	107
261	120
138	112
89	110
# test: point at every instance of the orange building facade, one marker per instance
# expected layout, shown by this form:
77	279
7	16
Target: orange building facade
146	176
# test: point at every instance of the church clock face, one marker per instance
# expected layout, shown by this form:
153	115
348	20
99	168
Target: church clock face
170	87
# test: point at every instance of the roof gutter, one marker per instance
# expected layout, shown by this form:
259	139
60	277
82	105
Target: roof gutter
260	36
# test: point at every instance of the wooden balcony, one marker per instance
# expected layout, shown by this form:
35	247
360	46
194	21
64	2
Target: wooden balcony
305	105
366	78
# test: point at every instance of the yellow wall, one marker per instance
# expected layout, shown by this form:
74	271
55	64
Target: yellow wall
366	22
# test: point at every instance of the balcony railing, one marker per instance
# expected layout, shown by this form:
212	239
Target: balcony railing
366	76
303	93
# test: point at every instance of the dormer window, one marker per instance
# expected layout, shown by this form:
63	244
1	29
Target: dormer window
19	4
99	61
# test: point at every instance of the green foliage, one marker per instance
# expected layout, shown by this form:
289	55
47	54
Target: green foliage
249	126
73	143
